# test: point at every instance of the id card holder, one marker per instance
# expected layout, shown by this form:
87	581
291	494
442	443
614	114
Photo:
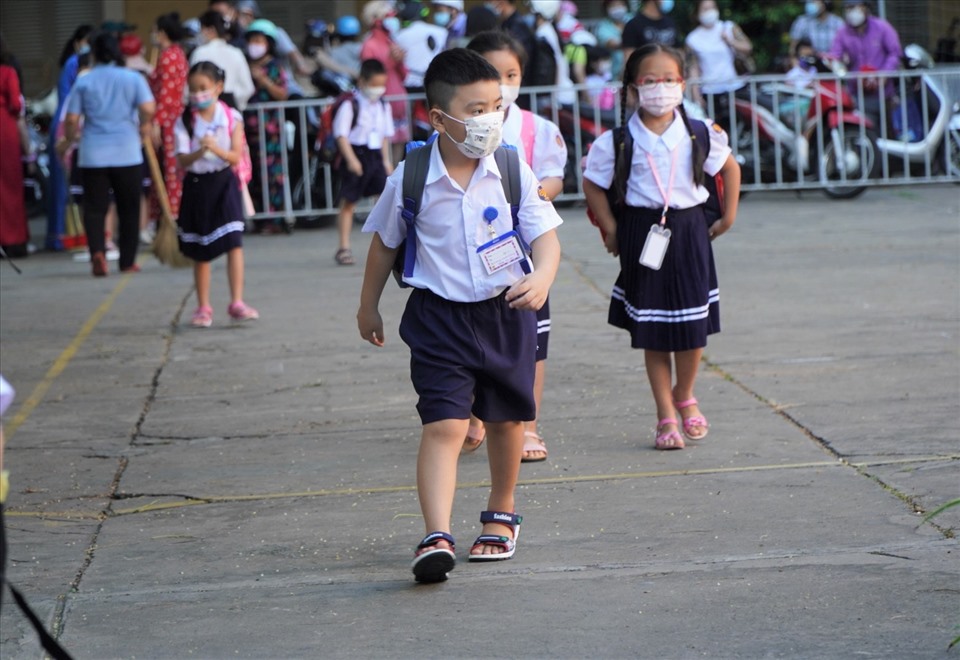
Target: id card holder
501	252
655	247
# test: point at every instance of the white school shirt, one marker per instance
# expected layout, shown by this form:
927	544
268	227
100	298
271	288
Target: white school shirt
715	56
450	227
374	123
549	149
219	127
642	189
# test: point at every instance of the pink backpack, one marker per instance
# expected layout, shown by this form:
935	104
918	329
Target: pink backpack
244	168
528	131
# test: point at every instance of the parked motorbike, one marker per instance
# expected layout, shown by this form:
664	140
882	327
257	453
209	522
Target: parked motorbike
811	134
922	121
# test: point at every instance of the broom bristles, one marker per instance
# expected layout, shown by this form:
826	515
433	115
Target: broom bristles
166	248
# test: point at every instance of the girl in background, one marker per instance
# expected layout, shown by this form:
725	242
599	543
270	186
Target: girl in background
209	144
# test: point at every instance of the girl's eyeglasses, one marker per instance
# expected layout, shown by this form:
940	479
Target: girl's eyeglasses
650	81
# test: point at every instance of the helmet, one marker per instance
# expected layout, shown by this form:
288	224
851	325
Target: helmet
264	27
915	57
348	26
546	8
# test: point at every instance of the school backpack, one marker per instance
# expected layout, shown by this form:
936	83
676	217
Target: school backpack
326	142
712	208
415	169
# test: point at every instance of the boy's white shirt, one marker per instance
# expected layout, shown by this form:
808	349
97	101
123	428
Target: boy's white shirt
642	189
450	227
374	123
549	149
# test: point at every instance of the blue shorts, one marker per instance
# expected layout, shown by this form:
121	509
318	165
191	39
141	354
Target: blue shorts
371	182
470	357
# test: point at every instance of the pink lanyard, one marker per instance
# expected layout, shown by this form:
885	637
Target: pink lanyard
656	177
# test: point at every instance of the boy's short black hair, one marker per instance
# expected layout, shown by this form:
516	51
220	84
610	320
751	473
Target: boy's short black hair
802	42
455	68
370	68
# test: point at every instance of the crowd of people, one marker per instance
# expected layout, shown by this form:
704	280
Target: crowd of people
262	63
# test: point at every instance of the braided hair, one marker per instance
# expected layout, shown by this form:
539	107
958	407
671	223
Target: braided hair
622	159
211	71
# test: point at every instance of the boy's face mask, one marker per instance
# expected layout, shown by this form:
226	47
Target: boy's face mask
484	134
374	93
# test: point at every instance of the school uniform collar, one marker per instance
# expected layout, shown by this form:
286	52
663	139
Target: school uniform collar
438	170
647	139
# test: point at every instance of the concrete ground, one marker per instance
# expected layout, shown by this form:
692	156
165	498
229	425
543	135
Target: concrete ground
248	491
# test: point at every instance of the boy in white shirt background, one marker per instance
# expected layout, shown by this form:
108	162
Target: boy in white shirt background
471	332
363	128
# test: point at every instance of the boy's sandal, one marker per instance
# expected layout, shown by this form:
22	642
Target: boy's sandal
344	257
534	444
670	439
475	437
432	565
694	422
509	545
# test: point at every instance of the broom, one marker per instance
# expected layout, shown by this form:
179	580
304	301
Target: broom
166	248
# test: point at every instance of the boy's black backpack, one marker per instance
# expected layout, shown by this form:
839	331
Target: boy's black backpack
712	208
416	166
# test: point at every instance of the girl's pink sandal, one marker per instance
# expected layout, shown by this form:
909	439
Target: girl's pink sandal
670	439
689	423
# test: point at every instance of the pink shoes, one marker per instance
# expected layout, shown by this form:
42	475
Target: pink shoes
202	317
670	439
695	427
241	311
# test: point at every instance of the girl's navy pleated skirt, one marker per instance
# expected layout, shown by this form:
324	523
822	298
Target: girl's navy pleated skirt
676	307
211	215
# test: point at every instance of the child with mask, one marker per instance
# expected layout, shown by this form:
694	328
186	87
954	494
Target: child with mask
363	128
470	323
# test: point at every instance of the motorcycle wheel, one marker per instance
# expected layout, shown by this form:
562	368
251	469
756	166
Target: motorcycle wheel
859	160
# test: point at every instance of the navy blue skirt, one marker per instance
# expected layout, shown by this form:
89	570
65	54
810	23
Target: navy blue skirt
674	308
211	215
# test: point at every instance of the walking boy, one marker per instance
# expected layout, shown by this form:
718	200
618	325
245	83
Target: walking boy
472	332
363	127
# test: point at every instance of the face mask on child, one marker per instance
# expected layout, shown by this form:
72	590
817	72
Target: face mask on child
256	51
202	100
659	99
374	93
510	95
484	134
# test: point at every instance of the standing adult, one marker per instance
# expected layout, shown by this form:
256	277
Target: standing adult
713	45
381	19
421	42
57	198
449	14
237	84
14	231
609	32
818	23
868	43
549	48
653	25
167	83
118	111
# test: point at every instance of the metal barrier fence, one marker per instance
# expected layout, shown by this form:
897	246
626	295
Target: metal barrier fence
837	134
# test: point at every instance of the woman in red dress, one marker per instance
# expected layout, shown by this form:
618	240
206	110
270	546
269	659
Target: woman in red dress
167	83
381	17
13	214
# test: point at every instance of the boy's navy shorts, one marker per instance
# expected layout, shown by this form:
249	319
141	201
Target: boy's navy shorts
371	182
470	357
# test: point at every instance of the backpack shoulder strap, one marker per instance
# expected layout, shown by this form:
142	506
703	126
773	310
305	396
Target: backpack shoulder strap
528	133
508	162
415	168
702	133
621	133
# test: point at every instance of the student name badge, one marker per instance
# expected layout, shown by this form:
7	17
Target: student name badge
655	247
501	252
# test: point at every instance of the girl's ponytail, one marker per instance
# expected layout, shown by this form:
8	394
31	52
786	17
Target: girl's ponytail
699	150
621	168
